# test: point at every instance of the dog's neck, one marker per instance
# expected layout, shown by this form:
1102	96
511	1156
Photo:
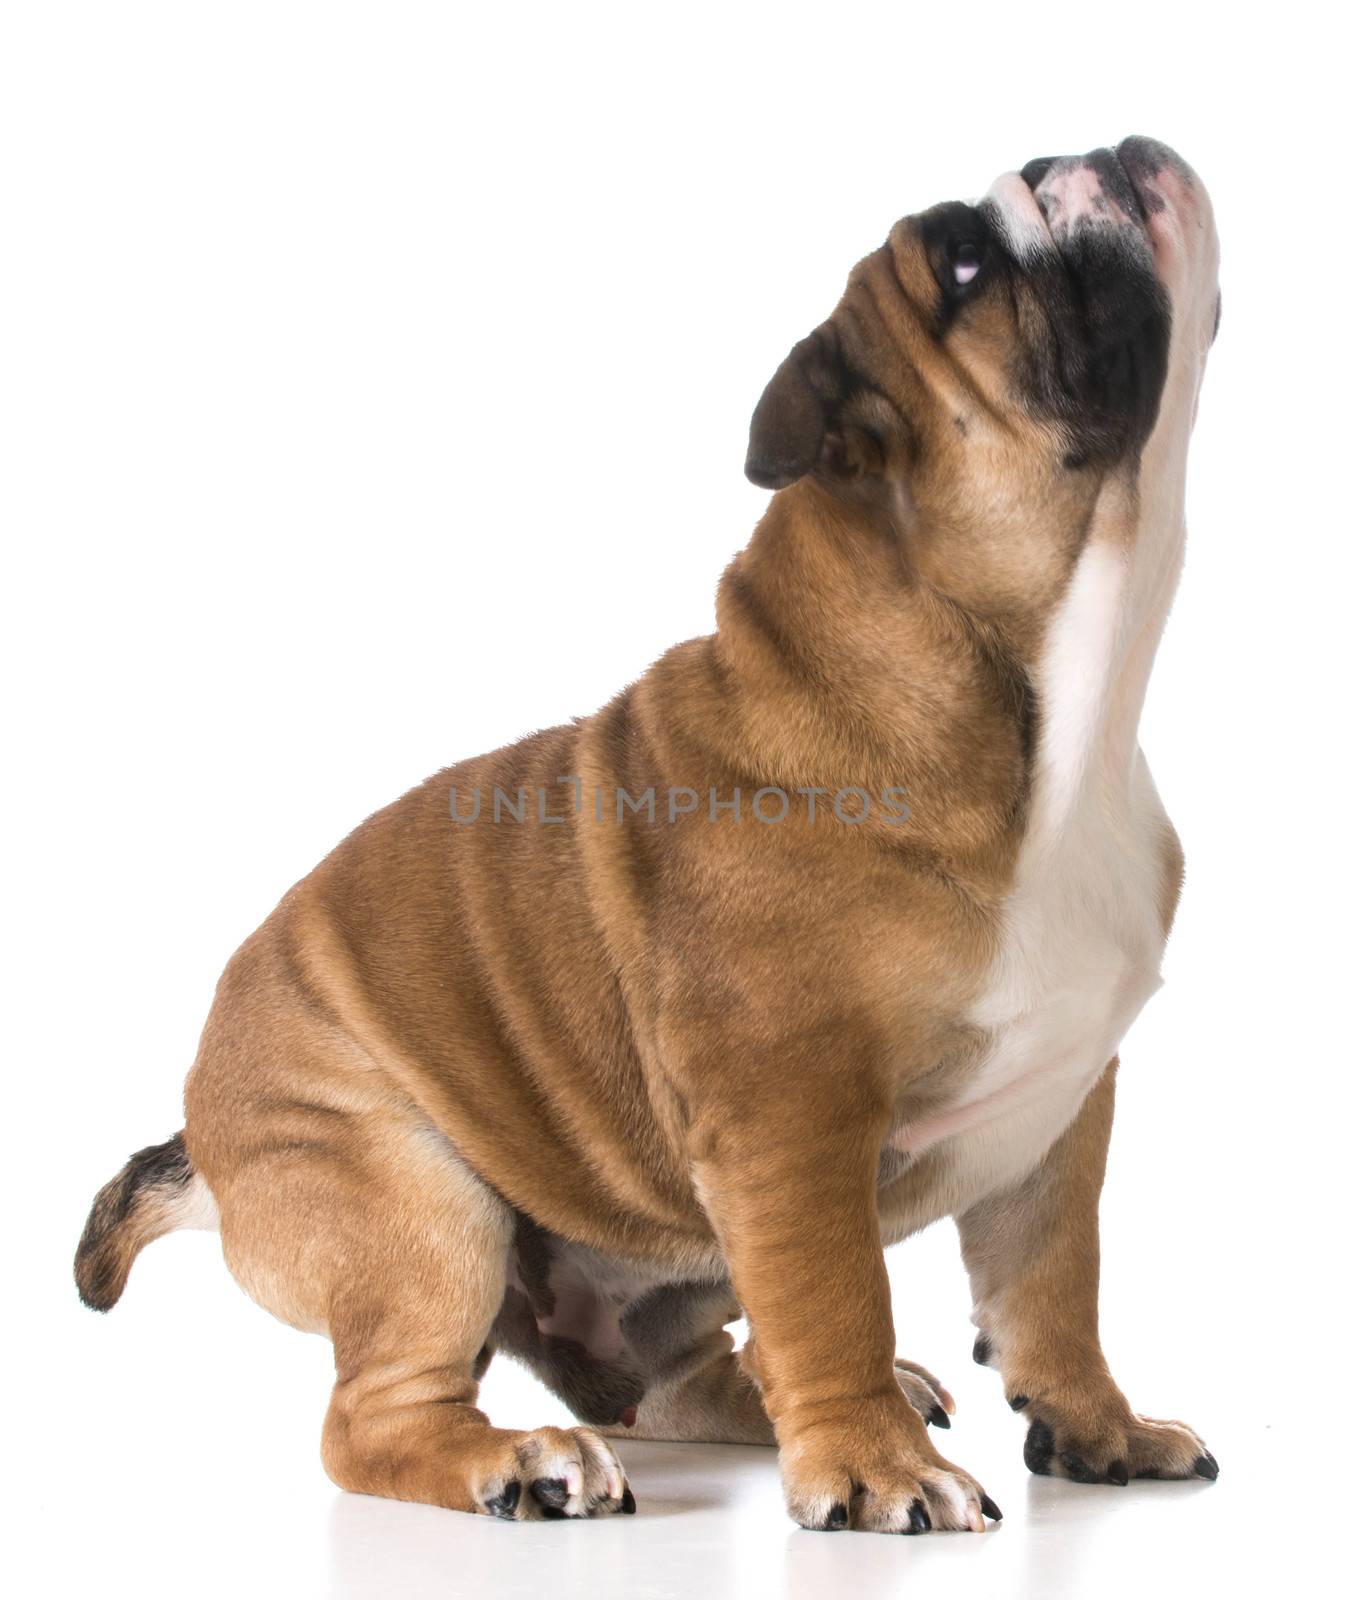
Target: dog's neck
849	666
845	668
1090	675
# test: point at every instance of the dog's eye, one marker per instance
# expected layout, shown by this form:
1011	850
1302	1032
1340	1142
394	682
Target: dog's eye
966	263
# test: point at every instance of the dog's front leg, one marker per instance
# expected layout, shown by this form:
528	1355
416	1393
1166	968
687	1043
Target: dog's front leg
1033	1255
791	1193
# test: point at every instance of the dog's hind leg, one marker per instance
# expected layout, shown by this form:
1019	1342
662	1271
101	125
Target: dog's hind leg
366	1225
700	1388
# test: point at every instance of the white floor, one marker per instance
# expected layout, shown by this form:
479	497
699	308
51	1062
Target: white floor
172	1447
710	1524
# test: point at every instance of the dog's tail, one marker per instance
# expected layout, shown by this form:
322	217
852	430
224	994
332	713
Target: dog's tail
156	1192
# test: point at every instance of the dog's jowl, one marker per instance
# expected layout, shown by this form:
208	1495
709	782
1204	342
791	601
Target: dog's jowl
828	926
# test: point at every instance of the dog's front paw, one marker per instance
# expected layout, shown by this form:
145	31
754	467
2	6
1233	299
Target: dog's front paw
1111	1445
870	1474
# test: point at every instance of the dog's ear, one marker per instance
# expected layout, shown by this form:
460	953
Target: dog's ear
799	426
788	426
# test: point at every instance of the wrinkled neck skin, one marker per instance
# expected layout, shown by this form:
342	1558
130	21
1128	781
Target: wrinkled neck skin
843	666
849	664
853	660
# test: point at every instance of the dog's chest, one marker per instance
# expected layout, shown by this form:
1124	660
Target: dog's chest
1081	931
1079	956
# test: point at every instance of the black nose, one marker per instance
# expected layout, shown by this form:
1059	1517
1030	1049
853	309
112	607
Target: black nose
1036	170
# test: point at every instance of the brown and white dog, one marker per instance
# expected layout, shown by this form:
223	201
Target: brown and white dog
827	927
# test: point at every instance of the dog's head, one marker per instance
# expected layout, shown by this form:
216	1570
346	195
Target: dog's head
992	363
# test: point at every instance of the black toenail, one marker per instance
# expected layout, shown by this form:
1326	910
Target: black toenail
1038	1449
504	1504
837	1517
628	1505
990	1509
1117	1472
981	1351
553	1514
938	1418
919	1518
1018	1402
550	1492
1206	1465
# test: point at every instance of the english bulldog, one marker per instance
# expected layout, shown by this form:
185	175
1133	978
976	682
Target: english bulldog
827	927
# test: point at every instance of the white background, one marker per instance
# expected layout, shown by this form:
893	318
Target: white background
375	387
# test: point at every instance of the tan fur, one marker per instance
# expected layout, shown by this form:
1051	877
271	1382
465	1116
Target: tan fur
685	1045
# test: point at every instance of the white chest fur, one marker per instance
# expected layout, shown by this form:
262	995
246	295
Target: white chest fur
1082	930
1082	933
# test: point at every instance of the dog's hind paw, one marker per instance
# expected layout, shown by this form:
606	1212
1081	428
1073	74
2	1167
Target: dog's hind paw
557	1473
925	1392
